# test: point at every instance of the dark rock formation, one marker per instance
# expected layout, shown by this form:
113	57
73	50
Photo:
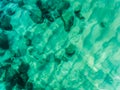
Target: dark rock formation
4	42
70	50
5	23
24	67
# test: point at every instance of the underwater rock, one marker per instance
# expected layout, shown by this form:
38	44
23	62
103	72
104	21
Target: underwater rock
63	6
1	72
22	80
13	78
29	86
57	60
10	78
78	14
50	18
64	58
1	13
39	4
5	23
10	11
28	42
44	9
69	24
4	42
36	16
21	3
23	68
70	50
102	24
68	20
10	72
47	8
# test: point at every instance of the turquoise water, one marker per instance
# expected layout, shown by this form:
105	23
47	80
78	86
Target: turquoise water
59	45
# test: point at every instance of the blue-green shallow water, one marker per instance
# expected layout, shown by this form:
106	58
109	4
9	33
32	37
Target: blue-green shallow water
59	44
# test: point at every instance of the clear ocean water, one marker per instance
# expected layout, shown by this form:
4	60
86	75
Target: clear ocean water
59	44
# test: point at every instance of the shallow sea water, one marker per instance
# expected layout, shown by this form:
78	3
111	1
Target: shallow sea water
59	44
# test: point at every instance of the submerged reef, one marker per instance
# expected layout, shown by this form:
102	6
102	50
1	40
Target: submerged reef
59	44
